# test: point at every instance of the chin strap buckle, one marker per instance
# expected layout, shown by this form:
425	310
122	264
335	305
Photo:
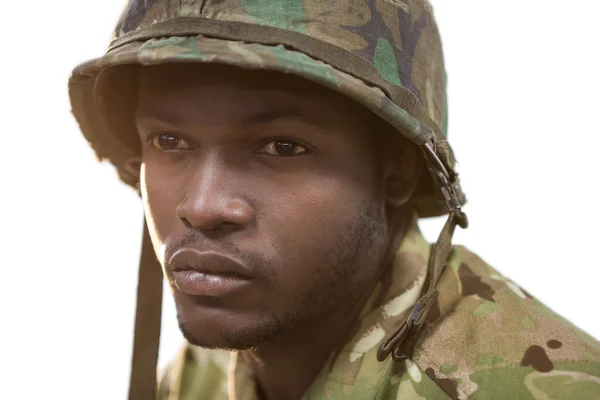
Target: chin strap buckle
411	324
447	182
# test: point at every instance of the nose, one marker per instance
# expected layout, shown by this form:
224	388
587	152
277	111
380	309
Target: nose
213	200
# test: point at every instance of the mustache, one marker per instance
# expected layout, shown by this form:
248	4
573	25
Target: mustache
258	262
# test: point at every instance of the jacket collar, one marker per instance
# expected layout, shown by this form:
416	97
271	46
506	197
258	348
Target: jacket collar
354	370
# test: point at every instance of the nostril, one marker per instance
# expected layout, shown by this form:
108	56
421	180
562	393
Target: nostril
186	222
221	226
232	226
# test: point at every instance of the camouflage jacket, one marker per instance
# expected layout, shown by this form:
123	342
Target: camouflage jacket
486	338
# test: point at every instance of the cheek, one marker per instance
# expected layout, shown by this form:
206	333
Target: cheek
308	226
160	195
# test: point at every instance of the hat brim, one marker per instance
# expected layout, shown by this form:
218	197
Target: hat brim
201	49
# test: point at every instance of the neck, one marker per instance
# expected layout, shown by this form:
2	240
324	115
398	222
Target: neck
286	367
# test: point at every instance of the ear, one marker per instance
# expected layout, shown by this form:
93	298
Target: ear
403	168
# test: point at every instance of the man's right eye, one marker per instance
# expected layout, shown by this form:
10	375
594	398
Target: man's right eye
169	142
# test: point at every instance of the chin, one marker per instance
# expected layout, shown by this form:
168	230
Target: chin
228	332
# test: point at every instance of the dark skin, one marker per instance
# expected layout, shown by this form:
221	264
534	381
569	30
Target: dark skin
290	179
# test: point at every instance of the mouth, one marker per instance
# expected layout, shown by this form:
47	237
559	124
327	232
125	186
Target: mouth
207	273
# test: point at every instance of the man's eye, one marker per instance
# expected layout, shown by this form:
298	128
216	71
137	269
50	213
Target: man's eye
283	148
168	142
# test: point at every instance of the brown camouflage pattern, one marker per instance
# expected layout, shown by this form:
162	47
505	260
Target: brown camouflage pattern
385	54
486	338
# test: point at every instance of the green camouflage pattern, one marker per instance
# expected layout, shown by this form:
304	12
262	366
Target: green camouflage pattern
486	338
385	54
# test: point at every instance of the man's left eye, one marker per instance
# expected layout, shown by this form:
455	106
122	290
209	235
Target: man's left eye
283	148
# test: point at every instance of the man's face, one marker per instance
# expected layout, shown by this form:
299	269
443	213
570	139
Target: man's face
264	198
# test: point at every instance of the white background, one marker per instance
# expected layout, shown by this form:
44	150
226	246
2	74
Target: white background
524	81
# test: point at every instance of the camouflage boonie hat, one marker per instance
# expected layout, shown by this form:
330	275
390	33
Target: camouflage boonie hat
385	54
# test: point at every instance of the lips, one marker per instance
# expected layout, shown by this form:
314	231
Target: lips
207	273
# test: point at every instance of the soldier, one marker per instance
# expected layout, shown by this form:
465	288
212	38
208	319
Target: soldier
284	151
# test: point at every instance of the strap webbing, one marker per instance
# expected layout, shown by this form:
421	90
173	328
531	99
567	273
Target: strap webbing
437	262
443	246
143	382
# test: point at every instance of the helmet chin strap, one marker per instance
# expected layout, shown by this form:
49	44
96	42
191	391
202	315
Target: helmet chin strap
415	320
142	383
447	181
